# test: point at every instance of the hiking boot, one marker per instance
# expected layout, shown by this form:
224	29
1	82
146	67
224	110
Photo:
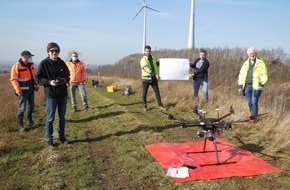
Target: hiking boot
252	119
21	129
145	108
162	108
21	126
49	142
87	108
30	124
74	109
63	140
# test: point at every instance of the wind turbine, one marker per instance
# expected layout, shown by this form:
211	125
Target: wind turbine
191	26
145	7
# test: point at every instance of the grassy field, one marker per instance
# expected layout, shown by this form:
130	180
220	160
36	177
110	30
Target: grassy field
107	151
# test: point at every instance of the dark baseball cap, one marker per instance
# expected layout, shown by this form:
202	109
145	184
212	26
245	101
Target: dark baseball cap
26	53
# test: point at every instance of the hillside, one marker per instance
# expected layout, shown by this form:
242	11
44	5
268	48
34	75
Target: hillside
106	149
220	58
225	64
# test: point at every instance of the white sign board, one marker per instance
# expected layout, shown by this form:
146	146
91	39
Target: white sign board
173	69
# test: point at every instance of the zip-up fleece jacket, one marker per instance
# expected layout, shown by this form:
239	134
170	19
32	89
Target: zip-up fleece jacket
23	77
202	71
49	70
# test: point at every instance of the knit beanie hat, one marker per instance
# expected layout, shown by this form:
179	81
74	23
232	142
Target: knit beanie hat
51	45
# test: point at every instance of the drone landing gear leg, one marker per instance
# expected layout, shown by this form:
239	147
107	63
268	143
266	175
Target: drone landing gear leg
204	144
217	155
216	152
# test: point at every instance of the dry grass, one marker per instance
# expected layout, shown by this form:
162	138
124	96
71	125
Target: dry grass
281	135
107	144
273	127
108	148
4	145
267	139
9	103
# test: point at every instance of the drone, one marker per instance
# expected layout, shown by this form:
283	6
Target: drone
210	127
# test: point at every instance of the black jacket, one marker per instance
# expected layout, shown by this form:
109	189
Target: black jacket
202	71
49	70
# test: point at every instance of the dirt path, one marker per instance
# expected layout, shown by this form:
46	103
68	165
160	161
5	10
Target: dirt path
121	121
109	170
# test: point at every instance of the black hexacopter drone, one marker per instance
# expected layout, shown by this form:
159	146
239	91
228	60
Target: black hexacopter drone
210	127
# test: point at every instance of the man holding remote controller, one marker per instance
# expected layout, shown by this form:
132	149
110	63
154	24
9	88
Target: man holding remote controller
53	74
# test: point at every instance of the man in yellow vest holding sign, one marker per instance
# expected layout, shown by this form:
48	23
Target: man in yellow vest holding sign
150	75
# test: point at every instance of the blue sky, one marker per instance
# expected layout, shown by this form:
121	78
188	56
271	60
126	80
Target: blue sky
103	31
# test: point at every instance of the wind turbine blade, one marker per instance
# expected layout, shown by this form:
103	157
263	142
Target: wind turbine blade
144	2
138	13
152	9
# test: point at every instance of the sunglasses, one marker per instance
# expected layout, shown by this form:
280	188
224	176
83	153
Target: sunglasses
54	50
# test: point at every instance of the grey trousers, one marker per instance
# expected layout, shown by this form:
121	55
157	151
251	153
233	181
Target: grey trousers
82	91
25	103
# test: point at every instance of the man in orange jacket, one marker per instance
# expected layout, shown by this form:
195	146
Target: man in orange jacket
24	84
77	81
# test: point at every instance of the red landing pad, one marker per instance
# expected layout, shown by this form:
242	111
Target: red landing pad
234	161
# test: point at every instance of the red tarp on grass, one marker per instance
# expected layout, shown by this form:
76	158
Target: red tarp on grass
234	160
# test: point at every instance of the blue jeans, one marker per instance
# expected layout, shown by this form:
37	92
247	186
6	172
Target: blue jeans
253	99
51	105
197	82
25	102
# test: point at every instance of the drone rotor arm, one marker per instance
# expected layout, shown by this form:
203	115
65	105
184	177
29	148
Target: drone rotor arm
192	124
173	117
225	116
238	121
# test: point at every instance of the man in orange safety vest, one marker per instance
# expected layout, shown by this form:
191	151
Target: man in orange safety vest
24	84
77	81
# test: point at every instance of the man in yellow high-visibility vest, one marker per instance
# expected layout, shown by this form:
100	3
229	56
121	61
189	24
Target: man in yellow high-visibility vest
150	75
252	78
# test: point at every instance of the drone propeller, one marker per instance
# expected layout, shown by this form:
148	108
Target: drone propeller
218	113
197	111
232	111
245	120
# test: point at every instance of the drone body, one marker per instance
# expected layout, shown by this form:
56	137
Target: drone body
210	127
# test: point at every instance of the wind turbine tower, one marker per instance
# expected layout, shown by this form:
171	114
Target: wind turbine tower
191	26
145	7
